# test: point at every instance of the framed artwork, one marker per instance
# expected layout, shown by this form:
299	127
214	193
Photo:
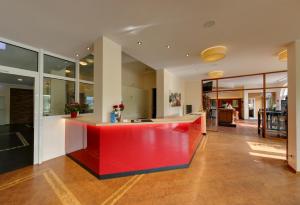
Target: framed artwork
175	99
235	103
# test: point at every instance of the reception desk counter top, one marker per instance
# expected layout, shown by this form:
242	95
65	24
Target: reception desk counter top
175	119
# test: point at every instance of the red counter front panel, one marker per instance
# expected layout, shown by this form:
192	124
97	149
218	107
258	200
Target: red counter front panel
128	149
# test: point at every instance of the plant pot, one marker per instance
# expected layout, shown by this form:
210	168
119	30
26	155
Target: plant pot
73	114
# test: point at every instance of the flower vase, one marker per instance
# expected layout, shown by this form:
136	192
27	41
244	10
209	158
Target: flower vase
73	114
119	116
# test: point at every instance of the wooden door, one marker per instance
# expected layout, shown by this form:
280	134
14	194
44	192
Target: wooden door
21	106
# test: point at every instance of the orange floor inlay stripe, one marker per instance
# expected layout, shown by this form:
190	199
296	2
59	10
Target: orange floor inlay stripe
20	180
62	192
122	190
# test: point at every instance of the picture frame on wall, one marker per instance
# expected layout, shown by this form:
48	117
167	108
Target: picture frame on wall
174	99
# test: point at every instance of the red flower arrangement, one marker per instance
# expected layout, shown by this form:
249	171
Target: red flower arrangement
72	108
118	111
120	107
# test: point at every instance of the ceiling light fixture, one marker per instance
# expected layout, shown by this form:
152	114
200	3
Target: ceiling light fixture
83	63
283	55
88	48
139	43
213	54
67	71
187	55
216	74
77	55
20	79
168	46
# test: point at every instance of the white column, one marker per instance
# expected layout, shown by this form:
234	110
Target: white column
294	105
107	77
160	93
167	82
246	109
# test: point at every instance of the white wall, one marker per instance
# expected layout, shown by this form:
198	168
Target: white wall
193	94
137	84
107	77
4	92
294	105
53	137
167	82
135	101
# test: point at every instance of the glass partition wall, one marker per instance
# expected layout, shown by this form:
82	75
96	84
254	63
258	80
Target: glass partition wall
57	81
209	102
258	101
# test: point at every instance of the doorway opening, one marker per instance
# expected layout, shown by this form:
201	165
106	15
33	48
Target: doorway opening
251	108
16	121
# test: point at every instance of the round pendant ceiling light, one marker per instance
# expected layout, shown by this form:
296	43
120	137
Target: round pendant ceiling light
283	55
213	54
216	74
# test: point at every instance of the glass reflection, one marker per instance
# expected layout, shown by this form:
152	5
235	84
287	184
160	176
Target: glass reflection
57	93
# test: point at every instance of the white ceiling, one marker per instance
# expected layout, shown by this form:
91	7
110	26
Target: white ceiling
254	31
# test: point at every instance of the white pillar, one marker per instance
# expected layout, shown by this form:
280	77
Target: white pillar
294	105
160	93
107	77
246	109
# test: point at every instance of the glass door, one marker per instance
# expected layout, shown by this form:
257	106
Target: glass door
18	121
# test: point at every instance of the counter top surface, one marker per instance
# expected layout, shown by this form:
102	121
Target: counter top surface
177	119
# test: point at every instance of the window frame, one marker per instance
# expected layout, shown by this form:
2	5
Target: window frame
76	80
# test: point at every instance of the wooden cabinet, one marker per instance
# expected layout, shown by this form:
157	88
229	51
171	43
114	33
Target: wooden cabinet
226	117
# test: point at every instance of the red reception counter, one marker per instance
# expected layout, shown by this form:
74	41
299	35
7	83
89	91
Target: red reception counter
121	149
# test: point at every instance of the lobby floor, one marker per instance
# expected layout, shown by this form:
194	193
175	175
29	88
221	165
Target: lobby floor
227	169
16	146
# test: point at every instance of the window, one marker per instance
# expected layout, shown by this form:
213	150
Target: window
17	57
57	93
86	97
87	68
59	67
86	84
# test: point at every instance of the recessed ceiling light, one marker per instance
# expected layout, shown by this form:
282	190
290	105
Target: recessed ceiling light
83	63
20	79
77	55
68	71
168	46
209	24
139	42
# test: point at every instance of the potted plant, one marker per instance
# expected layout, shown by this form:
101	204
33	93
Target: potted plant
73	109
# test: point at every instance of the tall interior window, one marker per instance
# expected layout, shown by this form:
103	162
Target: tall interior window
59	67
17	57
86	86
59	85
